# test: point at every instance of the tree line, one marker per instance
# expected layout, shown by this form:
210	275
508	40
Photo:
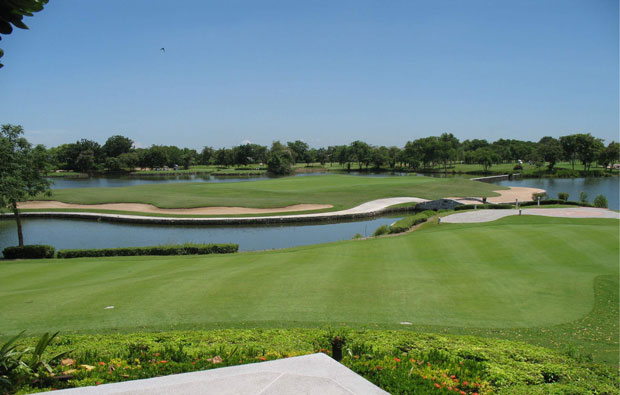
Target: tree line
119	154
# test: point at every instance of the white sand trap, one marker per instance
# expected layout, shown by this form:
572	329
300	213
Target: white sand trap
148	208
505	196
510	195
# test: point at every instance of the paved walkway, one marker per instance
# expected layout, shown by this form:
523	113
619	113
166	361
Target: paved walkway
492	215
309	374
363	210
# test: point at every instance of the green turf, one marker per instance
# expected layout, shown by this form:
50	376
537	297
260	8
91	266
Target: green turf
68	174
504	276
339	190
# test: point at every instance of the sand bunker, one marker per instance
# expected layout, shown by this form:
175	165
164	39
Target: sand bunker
510	195
148	208
506	196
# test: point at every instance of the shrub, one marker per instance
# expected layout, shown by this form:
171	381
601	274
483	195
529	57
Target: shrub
555	201
357	236
35	251
541	195
583	197
406	223
563	196
181	249
381	230
600	201
518	166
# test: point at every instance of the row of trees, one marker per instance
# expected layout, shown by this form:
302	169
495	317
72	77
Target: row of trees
119	154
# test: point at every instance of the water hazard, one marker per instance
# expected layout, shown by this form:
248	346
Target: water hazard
110	181
607	186
65	233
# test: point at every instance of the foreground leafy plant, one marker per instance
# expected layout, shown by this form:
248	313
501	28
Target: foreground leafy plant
37	361
10	360
14	369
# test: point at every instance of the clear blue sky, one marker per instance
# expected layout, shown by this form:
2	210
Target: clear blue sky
327	72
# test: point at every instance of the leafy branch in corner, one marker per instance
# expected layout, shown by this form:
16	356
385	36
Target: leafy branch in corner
13	11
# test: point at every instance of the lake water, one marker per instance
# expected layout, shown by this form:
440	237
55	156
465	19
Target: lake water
65	233
127	180
607	186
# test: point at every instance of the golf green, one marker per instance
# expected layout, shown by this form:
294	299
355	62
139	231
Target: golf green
341	191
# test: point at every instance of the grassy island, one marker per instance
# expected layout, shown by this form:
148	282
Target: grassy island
341	191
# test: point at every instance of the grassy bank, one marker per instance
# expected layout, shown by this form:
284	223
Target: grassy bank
561	170
66	174
528	278
339	190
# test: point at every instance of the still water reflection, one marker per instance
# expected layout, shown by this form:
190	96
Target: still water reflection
64	233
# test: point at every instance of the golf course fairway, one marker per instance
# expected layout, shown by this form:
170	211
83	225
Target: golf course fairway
340	191
518	272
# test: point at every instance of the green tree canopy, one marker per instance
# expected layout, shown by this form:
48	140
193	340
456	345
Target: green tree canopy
486	157
610	155
549	150
22	171
588	148
569	146
280	159
299	148
117	145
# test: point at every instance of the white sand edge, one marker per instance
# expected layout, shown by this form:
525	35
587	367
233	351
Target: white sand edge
148	208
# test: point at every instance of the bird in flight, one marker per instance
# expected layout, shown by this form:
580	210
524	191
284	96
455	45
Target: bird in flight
163	50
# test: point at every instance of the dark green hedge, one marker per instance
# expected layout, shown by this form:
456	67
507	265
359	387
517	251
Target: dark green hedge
556	201
406	223
181	249
36	251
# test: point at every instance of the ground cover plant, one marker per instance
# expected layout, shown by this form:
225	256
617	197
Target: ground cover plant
517	275
341	191
400	362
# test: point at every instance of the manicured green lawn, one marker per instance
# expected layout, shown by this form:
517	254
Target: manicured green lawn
339	190
495	279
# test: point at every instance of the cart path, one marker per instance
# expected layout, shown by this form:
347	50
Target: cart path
492	215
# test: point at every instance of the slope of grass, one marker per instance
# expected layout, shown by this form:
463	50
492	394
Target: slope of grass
504	276
339	190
